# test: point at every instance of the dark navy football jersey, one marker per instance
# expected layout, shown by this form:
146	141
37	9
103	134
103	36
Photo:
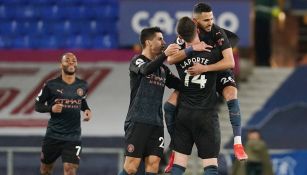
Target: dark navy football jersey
217	38
198	92
64	125
147	92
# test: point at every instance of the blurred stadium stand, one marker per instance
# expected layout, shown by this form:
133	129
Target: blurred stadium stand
289	93
53	24
285	109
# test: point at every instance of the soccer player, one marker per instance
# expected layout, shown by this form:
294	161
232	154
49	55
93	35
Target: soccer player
226	86
144	133
63	97
197	120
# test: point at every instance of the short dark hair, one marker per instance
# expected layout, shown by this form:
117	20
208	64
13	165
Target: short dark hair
202	7
186	29
148	34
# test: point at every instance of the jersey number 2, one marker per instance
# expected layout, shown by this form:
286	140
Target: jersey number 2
161	139
197	79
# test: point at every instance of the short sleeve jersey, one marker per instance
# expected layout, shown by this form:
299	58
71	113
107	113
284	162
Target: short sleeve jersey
64	125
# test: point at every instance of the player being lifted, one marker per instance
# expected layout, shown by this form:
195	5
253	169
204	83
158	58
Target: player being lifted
213	35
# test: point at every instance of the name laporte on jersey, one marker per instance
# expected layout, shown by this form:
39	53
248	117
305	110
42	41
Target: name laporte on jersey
189	61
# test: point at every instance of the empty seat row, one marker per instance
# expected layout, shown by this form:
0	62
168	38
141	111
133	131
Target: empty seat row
56	42
59	2
56	27
58	12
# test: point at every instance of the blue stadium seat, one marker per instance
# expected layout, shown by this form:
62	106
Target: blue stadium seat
21	42
93	2
78	41
105	41
15	2
43	2
106	26
51	13
7	12
26	12
106	11
70	2
90	12
8	28
61	27
58	23
5	42
74	12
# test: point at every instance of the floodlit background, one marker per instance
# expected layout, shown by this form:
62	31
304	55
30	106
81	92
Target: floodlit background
270	70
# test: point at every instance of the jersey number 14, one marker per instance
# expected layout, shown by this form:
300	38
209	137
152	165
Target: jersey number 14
197	79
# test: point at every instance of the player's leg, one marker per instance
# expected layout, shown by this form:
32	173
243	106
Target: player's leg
154	149
71	156
169	113
51	150
180	163
136	138
209	140
230	94
227	87
183	139
70	168
46	169
131	165
152	164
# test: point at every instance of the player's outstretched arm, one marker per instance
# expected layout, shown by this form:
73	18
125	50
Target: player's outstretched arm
182	54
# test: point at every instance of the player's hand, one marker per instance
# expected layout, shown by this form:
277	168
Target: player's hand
57	108
87	115
197	69
202	46
172	49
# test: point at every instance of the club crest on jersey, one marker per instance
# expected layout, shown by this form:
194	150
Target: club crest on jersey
80	92
220	41
130	148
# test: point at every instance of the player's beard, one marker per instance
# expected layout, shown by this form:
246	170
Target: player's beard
69	71
208	28
163	47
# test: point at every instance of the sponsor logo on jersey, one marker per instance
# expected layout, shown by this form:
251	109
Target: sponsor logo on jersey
69	103
156	80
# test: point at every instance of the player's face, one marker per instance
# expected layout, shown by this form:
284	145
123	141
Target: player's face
254	136
204	20
157	44
69	64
